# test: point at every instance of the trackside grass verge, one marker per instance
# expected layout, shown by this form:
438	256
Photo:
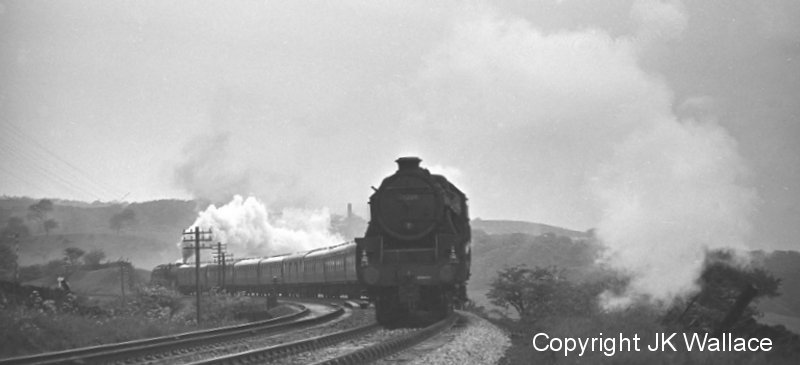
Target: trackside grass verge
35	324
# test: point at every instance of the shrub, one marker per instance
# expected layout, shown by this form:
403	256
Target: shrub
40	323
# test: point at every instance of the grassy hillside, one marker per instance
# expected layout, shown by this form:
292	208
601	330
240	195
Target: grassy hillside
493	252
530	228
146	240
142	251
102	282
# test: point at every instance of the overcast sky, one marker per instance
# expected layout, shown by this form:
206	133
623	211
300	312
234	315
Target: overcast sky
576	113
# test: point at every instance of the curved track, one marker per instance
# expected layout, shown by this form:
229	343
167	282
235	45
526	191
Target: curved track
367	343
162	348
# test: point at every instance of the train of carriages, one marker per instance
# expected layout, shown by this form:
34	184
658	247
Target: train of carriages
413	261
327	271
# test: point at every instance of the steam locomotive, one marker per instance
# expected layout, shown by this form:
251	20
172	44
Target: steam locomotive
415	256
413	260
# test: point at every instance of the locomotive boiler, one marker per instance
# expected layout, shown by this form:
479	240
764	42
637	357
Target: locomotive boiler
414	258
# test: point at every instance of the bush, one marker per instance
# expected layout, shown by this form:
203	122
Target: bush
563	309
37	323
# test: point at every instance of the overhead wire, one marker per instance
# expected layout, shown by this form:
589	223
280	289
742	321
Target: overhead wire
81	173
12	174
26	164
46	164
32	166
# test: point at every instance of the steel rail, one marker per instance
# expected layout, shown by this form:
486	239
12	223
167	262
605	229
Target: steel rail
371	353
267	354
393	345
171	344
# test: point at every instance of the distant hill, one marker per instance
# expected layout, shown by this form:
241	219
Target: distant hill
147	240
533	229
494	252
143	251
497	244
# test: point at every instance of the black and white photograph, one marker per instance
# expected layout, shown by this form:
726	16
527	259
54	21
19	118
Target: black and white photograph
418	182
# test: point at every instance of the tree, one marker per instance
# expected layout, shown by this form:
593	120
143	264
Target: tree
92	258
724	285
40	210
528	291
54	268
15	229
72	255
510	288
119	220
541	292
50	224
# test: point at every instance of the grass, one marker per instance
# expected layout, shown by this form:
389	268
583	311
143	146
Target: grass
36	325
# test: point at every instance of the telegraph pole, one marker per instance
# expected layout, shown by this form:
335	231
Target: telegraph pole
16	261
125	269
221	257
199	236
122	278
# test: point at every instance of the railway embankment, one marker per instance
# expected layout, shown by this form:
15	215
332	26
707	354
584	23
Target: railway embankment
34	321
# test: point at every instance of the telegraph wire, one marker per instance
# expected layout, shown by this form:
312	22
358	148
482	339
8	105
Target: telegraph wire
46	174
42	173
111	191
32	167
28	163
37	155
54	167
26	181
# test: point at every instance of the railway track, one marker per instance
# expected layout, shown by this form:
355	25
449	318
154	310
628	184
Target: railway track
357	345
162	349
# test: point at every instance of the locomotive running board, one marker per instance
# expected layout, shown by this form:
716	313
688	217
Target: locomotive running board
442	245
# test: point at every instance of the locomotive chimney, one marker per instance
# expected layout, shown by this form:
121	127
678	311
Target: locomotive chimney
408	163
349	210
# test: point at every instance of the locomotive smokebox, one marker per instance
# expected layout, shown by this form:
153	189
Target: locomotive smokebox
408	163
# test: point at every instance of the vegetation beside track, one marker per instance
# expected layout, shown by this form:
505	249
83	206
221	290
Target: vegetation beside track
541	300
45	320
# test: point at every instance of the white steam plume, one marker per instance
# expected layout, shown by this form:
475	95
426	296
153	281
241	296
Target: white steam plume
595	135
671	193
207	171
248	230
